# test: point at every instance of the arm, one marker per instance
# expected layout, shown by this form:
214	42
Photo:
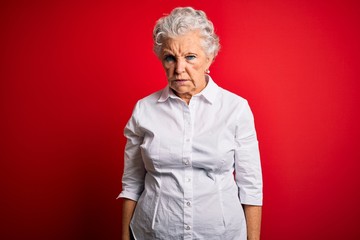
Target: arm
127	212
134	174
253	221
248	173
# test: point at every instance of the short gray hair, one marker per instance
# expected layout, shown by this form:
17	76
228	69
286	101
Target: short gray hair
182	20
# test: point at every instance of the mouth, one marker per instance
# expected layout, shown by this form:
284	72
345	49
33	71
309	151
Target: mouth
180	80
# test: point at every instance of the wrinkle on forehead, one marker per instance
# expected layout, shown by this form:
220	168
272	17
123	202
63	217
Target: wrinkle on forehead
184	44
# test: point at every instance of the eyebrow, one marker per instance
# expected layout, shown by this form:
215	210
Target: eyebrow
167	52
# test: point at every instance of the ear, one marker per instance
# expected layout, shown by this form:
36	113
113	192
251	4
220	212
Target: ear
209	61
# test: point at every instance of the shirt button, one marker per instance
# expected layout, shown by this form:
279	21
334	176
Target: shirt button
188	204
188	227
187	162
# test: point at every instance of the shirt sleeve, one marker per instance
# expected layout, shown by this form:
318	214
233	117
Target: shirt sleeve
248	174
134	169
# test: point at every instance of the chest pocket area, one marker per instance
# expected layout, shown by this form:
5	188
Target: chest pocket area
160	152
170	154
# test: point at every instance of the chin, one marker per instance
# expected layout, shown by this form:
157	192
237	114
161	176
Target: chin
181	90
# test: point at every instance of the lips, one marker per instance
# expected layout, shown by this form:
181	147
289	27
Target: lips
180	81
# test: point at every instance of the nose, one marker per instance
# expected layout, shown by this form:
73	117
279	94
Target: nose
180	66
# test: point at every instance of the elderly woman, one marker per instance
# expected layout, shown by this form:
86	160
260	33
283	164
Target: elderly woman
192	165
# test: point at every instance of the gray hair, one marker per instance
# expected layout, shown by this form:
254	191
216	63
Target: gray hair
182	20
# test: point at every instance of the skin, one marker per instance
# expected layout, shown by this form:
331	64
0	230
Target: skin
127	213
253	221
185	63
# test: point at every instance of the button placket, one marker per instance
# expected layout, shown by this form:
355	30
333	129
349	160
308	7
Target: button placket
188	188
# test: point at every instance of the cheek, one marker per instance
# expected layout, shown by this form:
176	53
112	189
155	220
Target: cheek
195	69
200	65
167	70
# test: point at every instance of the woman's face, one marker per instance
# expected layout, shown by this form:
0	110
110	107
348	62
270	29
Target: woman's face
185	63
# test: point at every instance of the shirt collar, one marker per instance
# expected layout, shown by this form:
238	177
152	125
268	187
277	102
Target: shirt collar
209	92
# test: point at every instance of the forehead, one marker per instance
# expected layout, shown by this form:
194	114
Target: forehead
189	42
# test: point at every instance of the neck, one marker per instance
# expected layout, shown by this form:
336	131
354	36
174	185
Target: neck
186	97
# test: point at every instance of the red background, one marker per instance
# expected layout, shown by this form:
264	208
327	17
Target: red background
72	71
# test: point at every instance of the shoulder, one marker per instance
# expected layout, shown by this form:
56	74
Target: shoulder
231	99
233	104
150	99
148	104
237	107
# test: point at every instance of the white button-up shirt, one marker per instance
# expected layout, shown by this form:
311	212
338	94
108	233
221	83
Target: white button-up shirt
190	167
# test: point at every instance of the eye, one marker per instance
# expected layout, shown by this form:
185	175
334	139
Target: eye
190	57
169	58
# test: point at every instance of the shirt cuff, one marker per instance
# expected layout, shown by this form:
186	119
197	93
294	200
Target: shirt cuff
129	195
251	200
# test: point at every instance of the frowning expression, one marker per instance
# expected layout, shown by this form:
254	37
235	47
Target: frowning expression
185	63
